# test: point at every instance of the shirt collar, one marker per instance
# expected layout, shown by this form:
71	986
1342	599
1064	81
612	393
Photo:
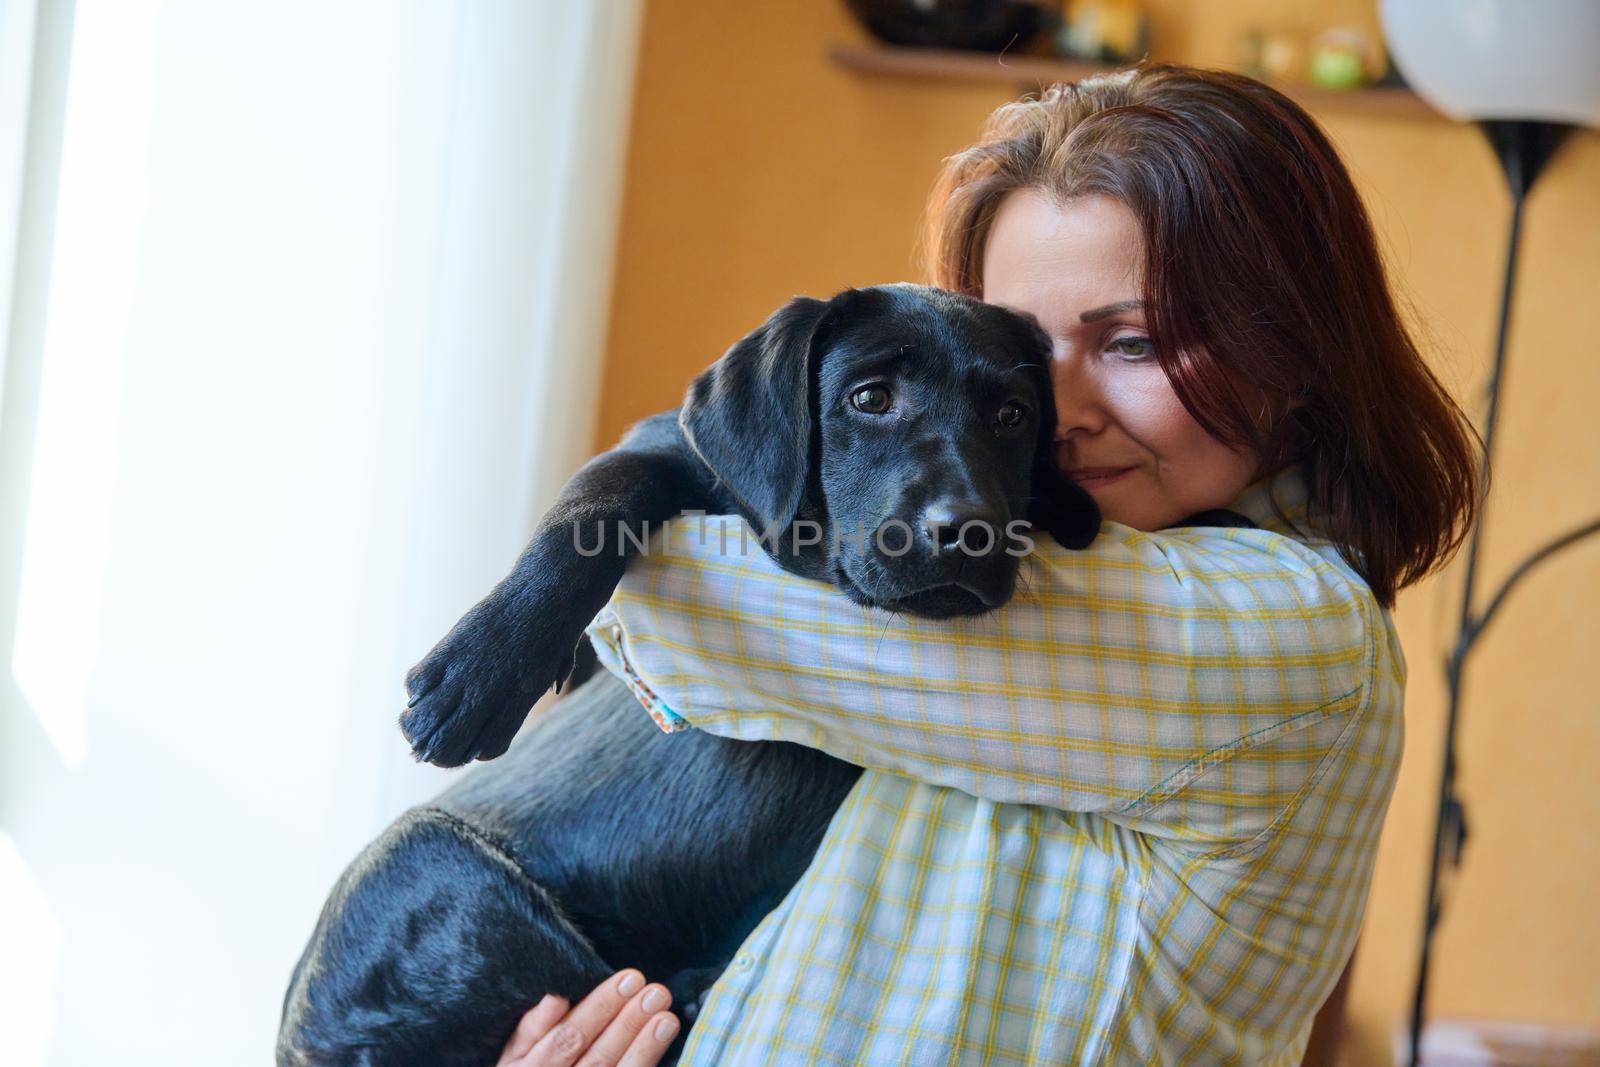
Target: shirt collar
1286	489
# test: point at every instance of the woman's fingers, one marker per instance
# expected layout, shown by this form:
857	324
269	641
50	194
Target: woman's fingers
534	1024
617	1023
652	1041
631	1031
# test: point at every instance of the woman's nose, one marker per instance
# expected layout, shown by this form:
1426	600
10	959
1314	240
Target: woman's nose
1079	405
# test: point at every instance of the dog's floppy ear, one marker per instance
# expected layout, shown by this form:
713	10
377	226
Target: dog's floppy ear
1061	507
748	416
1058	505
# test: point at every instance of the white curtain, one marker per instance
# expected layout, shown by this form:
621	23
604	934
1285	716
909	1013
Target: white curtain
302	307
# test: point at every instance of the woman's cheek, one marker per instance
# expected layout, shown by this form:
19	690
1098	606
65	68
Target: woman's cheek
1151	413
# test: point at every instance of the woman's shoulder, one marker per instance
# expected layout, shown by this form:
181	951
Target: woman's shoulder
1284	546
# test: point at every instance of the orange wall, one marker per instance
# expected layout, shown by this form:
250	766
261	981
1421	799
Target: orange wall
758	170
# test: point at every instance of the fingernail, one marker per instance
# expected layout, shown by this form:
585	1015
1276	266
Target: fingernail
666	1029
630	983
654	1001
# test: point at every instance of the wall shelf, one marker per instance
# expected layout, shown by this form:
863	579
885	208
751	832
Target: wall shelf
1029	72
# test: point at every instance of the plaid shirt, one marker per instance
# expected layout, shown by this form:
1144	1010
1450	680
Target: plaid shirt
1128	818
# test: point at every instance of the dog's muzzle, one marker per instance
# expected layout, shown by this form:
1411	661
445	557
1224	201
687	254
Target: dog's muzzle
951	559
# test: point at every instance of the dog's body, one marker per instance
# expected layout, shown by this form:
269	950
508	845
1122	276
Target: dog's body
600	842
596	842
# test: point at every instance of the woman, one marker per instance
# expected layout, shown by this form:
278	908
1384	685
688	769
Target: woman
1130	817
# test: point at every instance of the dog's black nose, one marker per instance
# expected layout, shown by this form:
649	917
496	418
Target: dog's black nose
958	527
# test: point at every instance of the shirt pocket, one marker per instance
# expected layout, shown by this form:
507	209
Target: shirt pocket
1233	794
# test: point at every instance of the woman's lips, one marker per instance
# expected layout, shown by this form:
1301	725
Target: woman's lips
1093	477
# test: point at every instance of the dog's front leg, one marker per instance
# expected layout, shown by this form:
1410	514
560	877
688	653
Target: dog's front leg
470	694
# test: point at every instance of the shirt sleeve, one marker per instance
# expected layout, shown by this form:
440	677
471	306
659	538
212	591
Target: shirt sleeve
1186	681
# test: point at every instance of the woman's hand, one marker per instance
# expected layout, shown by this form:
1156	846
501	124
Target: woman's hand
623	1022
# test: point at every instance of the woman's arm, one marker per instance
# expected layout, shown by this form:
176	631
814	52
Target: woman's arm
1176	676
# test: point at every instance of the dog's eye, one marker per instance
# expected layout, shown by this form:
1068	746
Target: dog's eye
873	399
1012	415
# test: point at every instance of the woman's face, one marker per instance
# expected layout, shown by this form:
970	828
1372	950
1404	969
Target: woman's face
1121	432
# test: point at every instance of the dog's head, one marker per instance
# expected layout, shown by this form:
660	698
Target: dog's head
896	439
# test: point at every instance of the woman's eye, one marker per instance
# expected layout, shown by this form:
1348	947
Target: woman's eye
873	399
1133	349
1012	415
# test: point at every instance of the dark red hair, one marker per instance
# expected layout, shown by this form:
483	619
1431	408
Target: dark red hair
1268	304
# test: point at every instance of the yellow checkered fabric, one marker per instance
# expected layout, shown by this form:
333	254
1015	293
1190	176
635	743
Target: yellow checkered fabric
1128	818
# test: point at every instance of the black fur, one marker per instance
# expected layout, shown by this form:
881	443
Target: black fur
767	432
599	842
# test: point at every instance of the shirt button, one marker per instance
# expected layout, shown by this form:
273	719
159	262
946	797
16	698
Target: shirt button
616	632
745	961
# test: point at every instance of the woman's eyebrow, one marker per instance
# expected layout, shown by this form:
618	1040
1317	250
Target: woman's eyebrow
1110	309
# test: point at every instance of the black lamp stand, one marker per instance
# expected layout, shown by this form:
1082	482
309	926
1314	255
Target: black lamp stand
1524	147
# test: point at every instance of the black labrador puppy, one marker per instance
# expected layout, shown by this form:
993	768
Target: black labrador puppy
915	415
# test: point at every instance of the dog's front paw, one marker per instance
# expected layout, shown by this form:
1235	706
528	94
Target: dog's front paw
470	695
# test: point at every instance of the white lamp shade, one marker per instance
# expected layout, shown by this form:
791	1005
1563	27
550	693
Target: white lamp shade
1500	59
